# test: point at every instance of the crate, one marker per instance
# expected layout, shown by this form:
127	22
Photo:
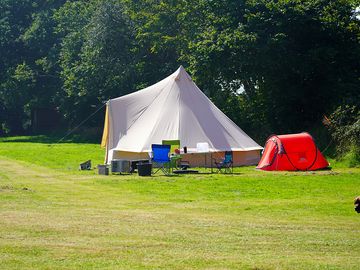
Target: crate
120	166
103	169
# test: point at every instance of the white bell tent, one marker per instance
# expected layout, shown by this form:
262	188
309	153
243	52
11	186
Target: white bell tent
173	109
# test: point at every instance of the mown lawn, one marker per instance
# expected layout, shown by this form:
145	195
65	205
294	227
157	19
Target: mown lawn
55	217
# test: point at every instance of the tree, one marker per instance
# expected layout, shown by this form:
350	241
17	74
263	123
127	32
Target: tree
278	65
96	55
28	68
295	60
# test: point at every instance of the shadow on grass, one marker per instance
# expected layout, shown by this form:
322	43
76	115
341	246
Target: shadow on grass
205	173
49	139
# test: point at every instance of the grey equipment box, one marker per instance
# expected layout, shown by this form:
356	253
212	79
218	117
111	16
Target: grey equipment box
103	169
120	166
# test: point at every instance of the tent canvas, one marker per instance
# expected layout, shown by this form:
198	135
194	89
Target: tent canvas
172	109
292	152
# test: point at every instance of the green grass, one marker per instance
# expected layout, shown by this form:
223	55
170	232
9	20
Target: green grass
55	217
59	156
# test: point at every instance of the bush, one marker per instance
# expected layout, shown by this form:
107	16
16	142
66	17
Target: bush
344	125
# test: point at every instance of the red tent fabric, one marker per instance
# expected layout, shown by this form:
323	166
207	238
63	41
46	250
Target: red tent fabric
292	152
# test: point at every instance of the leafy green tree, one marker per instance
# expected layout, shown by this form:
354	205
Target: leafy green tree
278	65
96	55
28	69
15	17
344	125
295	59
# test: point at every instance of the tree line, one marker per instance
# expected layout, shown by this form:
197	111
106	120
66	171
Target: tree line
271	66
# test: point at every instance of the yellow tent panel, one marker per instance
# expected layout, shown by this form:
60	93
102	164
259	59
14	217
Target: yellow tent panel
106	129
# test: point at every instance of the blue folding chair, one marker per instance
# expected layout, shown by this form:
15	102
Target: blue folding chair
161	157
226	164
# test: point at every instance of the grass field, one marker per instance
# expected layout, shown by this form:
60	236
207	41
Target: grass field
55	217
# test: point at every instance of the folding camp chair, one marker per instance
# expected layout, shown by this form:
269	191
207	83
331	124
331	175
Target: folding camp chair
174	153
160	157
226	164
174	144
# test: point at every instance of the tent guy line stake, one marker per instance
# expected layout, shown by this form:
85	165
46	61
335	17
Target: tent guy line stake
79	125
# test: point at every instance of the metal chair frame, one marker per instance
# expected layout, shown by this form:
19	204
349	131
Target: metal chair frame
226	164
160	157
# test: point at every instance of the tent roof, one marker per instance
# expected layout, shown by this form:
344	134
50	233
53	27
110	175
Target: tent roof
174	108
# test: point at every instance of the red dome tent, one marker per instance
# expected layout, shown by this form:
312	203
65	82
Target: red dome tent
292	152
